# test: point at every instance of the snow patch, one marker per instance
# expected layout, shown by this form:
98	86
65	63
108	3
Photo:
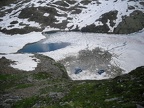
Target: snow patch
89	13
26	62
46	14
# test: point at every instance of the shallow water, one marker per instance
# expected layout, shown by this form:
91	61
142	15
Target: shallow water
42	47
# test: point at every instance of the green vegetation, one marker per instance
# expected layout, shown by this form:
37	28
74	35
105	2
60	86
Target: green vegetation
21	86
25	103
10	80
121	92
46	90
41	75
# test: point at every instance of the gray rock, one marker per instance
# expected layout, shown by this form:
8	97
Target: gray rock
57	95
139	106
111	99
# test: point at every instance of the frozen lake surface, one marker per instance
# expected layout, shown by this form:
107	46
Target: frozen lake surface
86	56
40	47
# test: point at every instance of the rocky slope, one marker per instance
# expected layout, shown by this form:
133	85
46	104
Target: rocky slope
44	89
102	16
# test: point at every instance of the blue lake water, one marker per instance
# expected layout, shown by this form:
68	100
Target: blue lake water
40	47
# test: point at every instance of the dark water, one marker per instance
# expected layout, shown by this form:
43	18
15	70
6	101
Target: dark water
40	47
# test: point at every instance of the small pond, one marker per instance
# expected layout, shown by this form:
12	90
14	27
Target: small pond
39	47
43	46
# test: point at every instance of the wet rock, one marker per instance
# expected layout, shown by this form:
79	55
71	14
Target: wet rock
111	99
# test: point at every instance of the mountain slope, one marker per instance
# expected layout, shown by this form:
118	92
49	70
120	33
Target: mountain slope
45	89
114	16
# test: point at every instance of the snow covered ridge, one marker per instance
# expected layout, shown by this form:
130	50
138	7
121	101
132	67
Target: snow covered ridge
102	16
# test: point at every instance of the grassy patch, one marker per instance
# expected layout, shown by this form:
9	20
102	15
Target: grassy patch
41	75
6	77
25	103
10	80
21	86
121	92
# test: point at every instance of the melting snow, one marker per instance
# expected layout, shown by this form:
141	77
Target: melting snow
127	50
89	13
26	62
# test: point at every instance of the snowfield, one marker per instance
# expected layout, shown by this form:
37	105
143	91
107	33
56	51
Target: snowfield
127	50
78	14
